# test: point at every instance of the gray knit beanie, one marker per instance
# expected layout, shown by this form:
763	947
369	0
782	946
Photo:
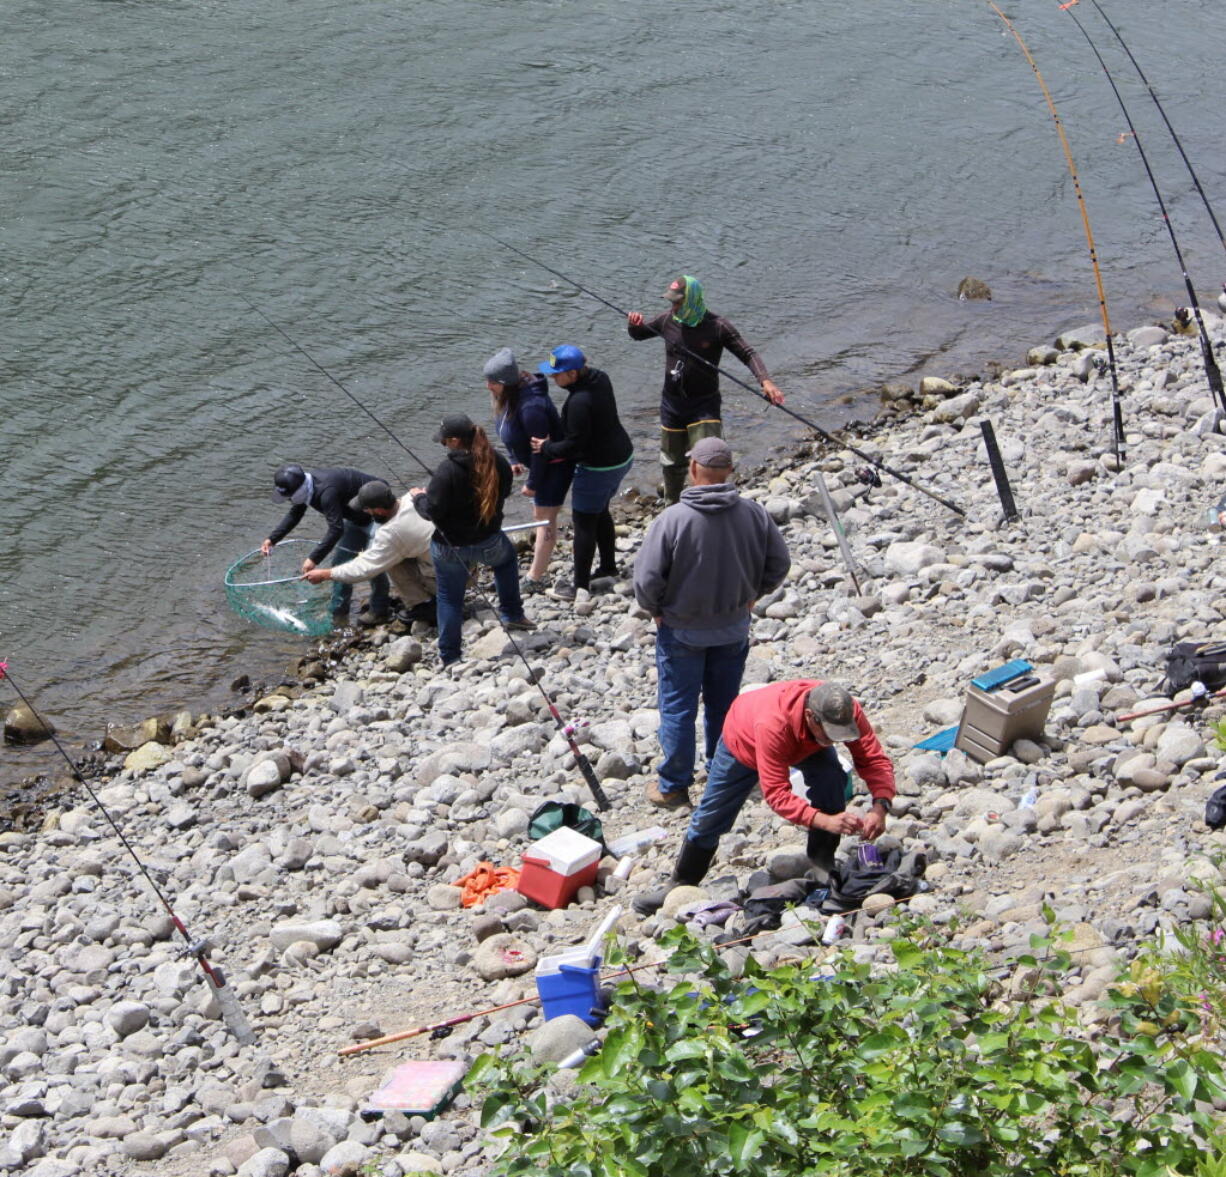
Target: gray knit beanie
501	367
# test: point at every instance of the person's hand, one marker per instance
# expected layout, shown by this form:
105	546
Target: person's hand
527	490
518	469
838	823
771	389
659	621
634	319
317	575
873	824
307	565
537	442
266	547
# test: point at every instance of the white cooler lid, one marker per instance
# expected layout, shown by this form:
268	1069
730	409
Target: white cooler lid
566	850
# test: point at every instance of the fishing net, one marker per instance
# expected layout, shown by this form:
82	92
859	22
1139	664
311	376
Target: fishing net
270	591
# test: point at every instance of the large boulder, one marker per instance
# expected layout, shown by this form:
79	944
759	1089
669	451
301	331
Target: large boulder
23	725
127	737
148	756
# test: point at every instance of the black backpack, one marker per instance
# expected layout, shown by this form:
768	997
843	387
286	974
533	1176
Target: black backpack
1190	662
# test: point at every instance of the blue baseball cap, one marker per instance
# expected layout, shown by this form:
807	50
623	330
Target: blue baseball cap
567	358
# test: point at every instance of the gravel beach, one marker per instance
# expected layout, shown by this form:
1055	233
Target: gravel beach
315	839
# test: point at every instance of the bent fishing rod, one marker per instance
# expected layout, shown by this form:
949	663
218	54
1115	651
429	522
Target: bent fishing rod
1116	414
1136	65
567	729
1212	372
232	1013
826	436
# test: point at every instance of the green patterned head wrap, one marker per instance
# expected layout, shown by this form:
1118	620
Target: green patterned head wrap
693	307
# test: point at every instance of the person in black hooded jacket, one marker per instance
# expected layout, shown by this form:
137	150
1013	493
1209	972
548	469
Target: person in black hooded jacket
602	451
464	501
329	491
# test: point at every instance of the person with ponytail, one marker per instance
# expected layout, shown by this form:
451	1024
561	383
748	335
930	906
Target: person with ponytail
464	501
522	411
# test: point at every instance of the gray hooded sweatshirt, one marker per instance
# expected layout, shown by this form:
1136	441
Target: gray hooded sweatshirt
707	557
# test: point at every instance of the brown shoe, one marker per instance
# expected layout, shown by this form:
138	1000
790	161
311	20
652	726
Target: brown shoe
667	798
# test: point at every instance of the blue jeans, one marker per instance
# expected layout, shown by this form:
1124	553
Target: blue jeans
729	783
683	674
451	568
353	540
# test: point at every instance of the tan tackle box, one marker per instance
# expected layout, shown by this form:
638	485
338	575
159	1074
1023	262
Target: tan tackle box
992	720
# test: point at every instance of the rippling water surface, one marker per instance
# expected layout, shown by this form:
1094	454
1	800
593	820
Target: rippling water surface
829	170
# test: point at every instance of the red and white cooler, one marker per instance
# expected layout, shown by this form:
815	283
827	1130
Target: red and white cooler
557	865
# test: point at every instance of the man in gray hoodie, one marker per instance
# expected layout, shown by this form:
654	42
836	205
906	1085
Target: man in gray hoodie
703	564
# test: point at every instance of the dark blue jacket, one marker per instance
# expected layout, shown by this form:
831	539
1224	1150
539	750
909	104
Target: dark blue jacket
530	414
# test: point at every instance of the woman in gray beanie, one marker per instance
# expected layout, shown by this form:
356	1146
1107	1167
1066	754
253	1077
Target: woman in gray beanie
523	410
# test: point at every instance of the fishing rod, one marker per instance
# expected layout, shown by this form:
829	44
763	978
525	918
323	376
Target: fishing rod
235	1020
1153	94
1117	416
1212	372
826	436
567	729
444	1027
449	1023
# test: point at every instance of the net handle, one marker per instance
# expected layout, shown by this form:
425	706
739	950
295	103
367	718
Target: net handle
259	583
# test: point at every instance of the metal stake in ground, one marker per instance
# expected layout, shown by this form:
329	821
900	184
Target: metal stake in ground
998	471
837	526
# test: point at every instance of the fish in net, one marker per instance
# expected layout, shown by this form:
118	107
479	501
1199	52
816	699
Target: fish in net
270	591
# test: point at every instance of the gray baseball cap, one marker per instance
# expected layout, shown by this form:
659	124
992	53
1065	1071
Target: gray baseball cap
833	707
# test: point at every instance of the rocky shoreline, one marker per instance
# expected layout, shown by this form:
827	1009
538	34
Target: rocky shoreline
315	839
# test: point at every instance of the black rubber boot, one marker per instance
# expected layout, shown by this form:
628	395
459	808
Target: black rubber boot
821	848
690	869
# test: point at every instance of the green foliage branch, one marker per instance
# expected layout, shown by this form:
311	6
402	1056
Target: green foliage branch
918	1068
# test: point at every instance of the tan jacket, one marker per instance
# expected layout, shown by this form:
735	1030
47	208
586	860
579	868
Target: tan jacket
401	548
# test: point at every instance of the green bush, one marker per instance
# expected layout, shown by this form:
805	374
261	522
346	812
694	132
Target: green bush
920	1068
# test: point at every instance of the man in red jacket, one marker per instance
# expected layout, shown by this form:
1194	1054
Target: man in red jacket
769	731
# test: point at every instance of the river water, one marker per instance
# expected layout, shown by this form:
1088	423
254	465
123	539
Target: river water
830	171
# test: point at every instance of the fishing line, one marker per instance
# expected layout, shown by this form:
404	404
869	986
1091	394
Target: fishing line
235	1020
1212	372
1117	417
1183	154
736	380
567	729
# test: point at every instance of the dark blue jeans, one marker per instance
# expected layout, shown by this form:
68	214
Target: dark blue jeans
451	568
729	783
354	539
684	673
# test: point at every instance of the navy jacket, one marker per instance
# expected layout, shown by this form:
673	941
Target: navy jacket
531	414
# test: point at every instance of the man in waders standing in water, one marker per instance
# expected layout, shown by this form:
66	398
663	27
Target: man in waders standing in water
694	342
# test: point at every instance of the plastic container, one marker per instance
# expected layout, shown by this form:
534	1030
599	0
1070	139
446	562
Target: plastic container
557	866
567	988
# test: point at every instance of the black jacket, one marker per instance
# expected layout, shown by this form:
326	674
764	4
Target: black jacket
334	487
450	502
691	387
594	432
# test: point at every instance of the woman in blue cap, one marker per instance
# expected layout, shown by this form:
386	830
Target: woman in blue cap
600	447
523	410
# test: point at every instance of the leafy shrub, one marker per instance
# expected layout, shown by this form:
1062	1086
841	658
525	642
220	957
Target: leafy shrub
919	1068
